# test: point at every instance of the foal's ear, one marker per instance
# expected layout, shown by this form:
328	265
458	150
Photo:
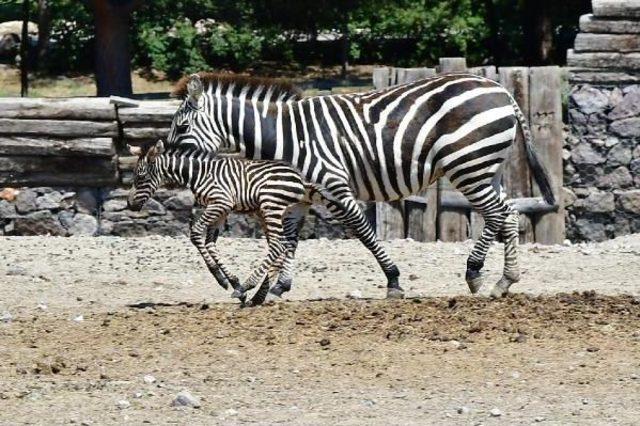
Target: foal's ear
194	89
155	150
135	150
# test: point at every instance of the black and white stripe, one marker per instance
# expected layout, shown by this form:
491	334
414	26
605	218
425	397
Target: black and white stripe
381	145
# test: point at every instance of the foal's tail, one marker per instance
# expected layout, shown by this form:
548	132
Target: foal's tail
540	174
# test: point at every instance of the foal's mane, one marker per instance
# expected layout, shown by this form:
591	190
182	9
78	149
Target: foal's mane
280	86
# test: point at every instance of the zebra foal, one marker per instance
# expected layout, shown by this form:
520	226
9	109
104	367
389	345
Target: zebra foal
381	145
274	191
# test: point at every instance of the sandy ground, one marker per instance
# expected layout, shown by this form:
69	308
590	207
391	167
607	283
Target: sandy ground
83	320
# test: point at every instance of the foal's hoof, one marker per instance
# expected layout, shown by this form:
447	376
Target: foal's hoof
474	281
501	288
395	293
239	293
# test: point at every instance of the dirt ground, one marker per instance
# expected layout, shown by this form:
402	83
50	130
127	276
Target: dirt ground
84	321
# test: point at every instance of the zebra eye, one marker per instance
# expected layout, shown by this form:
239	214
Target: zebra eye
182	127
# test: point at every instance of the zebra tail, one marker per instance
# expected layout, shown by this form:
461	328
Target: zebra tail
540	173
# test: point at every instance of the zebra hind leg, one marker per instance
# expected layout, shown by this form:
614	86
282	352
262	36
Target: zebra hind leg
487	201
293	223
511	272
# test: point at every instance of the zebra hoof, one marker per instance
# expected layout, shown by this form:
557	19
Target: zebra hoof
474	280
395	293
239	293
501	288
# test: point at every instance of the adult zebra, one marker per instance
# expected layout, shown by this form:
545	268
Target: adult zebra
381	145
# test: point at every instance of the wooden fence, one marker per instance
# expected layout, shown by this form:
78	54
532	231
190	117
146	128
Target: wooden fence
441	213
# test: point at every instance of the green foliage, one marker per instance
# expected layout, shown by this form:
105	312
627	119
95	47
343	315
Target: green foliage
237	47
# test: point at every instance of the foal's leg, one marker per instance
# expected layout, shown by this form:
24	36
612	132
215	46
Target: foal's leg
293	223
212	237
273	216
212	213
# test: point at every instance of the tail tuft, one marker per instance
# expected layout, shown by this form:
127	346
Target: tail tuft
540	175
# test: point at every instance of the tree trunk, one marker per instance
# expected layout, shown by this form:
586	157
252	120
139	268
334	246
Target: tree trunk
494	40
112	60
44	30
538	32
345	49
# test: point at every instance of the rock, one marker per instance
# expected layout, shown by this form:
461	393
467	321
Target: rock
154	207
66	218
6	318
83	224
123	404
38	223
628	106
636	151
16	270
568	197
7	210
591	231
149	379
627	127
185	399
87	200
538	419
590	100
463	410
325	342
619	178
354	294
585	154
128	229
630	201
619	155
78	318
495	412
114	205
597	202
183	200
26	201
49	201
231	412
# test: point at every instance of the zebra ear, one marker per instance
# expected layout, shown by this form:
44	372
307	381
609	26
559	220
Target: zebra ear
195	88
159	147
155	150
135	150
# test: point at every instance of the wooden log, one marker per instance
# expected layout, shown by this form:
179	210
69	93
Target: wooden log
603	60
421	215
145	132
453	223
94	109
84	147
63	128
57	171
381	77
489	72
476	225
616	8
607	43
546	125
389	220
591	24
127	164
528	205
603	77
409	75
516	176
149	112
452	65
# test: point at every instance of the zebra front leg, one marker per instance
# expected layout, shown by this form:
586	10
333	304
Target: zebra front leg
344	207
511	272
273	224
212	237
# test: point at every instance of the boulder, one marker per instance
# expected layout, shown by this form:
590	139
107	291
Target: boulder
154	207
183	200
7	210
629	106
629	201
83	224
627	127
42	222
619	155
114	205
26	201
590	100
586	154
597	202
49	201
619	178
128	229
590	230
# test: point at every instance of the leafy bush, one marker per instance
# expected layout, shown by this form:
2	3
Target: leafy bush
236	47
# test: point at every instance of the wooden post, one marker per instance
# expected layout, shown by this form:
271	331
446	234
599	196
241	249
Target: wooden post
452	224
24	51
546	125
516	174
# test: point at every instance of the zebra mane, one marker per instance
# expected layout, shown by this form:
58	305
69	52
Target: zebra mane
209	79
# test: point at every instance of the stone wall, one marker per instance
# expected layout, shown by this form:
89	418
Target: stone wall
602	162
86	211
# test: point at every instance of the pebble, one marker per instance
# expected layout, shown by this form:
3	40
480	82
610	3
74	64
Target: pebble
231	412
185	399
42	307
79	318
6	317
463	410
634	377
354	294
495	412
123	404
16	270
148	379
539	419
